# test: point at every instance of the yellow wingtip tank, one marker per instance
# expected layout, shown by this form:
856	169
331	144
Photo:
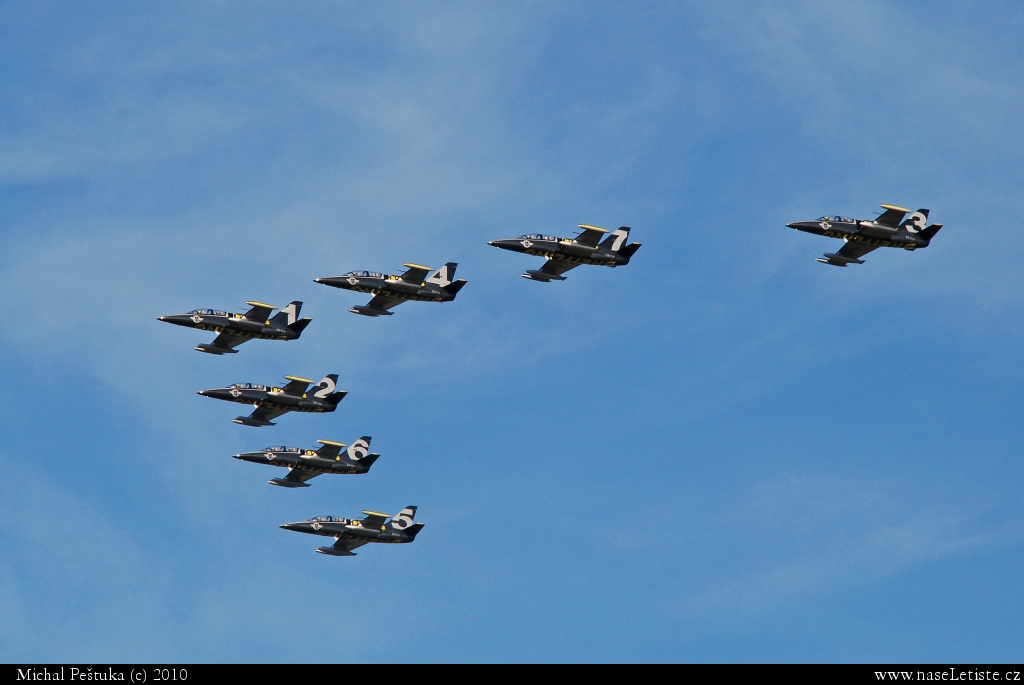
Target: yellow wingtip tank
297	378
894	207
376	513
587	227
260	304
331	442
418	266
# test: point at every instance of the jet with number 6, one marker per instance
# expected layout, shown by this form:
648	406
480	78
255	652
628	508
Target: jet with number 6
390	291
350	534
567	253
271	402
235	329
304	465
862	236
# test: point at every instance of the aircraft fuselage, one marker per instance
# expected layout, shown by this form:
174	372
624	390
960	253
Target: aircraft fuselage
867	232
390	287
563	250
274	398
304	460
349	529
235	324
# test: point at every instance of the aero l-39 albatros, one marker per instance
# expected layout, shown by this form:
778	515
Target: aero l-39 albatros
864	236
235	329
391	291
352	534
272	402
304	465
567	253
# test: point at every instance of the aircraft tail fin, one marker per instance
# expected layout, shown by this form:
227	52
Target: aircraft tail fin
629	250
359	449
444	275
288	315
617	239
402	521
324	390
415	528
454	288
930	232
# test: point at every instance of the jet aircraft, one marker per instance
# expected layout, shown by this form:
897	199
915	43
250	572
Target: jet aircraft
567	253
304	465
235	329
273	402
350	534
391	291
862	236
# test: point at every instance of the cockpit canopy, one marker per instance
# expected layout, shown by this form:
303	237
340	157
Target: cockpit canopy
330	519
282	448
208	312
365	274
538	236
836	219
249	386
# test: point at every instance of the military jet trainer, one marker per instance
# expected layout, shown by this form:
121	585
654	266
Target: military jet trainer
567	253
273	402
304	465
235	329
352	534
391	291
861	236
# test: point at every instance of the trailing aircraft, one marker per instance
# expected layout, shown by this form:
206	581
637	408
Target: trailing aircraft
273	402
390	291
304	465
235	329
350	534
862	236
564	254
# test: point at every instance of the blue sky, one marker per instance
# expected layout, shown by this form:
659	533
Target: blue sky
723	452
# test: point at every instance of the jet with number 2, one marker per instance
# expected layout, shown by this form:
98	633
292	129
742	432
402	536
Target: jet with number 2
390	291
567	253
304	465
350	534
235	329
273	402
861	236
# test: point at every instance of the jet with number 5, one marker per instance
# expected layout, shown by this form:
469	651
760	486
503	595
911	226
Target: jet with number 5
272	402
304	465
890	229
350	534
567	253
390	291
235	329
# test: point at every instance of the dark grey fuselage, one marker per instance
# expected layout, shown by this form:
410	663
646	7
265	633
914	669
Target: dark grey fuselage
563	250
866	232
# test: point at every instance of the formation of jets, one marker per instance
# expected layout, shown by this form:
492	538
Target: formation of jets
593	245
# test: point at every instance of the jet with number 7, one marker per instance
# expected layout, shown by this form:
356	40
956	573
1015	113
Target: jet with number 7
272	402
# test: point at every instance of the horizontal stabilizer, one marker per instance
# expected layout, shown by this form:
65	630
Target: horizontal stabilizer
536	275
368	311
247	421
287	483
839	260
214	349
335	552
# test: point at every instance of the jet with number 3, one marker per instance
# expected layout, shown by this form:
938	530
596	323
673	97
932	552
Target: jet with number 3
567	253
390	291
272	402
304	465
235	329
350	534
890	229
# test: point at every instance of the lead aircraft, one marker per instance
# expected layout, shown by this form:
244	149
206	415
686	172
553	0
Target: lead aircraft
390	291
235	329
567	253
890	229
350	534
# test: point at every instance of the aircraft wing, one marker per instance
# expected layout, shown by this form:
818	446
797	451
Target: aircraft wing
892	216
554	267
374	520
851	252
591	235
228	341
299	476
296	385
266	414
415	274
343	547
259	312
383	302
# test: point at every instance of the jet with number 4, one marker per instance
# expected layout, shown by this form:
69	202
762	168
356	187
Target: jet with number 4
890	229
350	534
304	465
235	329
273	402
567	253
390	291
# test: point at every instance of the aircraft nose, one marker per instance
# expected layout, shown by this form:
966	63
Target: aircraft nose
292	526
161	318
492	242
204	393
792	225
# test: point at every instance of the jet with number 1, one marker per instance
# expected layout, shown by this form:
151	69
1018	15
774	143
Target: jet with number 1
567	253
863	236
273	402
235	329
